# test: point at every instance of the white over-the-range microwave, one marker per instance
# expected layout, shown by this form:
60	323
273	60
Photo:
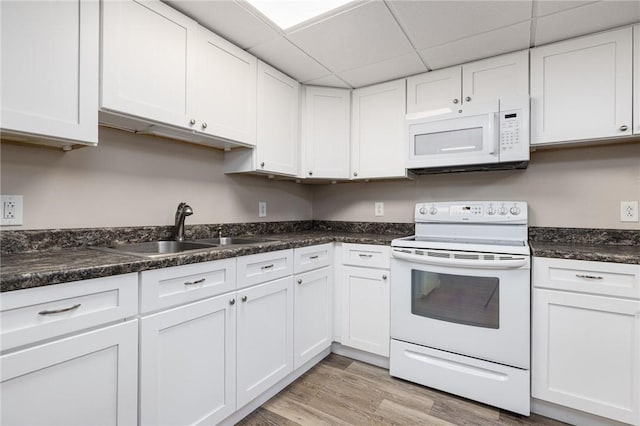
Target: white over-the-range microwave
476	136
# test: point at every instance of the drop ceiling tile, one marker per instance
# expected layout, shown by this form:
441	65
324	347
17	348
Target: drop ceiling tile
328	81
390	69
431	23
286	57
228	19
492	43
547	7
591	18
353	38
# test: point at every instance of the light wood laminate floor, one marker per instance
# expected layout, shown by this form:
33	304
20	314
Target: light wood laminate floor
342	391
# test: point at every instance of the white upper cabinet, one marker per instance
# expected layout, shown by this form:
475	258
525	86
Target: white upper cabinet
50	71
582	88
326	116
636	80
502	76
278	99
378	131
226	90
159	67
148	61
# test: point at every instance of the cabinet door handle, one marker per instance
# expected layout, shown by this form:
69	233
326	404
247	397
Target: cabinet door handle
455	101
300	281
244	298
59	311
192	121
590	277
314	257
384	277
262	164
266	267
355	173
232	302
468	98
624	128
365	256
204	125
200	281
310	173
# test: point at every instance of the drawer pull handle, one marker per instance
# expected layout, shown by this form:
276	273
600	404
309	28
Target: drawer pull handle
589	277
59	311
266	267
314	257
200	281
365	256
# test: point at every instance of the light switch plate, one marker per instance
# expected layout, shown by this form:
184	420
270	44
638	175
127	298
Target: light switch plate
11	206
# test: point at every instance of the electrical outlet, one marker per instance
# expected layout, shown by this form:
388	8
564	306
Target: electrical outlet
628	211
262	209
378	208
11	210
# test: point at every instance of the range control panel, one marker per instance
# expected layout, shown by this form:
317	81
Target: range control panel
472	211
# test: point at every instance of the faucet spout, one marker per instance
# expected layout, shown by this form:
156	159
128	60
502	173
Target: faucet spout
182	212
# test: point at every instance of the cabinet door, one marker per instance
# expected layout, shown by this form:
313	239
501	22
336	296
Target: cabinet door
187	364
226	90
378	131
494	78
581	88
325	133
434	90
277	138
50	68
265	337
586	353
365	309
87	379
148	61
313	325
636	80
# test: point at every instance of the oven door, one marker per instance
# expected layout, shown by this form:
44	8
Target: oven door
474	304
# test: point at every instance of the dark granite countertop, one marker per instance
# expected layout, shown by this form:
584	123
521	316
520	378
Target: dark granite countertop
593	252
34	269
597	245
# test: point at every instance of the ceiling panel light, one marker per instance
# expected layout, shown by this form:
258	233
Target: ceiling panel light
288	13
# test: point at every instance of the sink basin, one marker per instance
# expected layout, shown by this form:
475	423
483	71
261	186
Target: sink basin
231	241
157	248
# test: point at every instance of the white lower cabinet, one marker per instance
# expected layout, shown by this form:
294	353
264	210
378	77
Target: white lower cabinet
586	347
86	379
187	363
264	337
313	323
365	309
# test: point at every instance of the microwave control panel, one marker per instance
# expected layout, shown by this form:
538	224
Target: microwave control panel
510	130
514	131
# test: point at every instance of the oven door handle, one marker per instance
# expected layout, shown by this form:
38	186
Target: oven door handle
516	262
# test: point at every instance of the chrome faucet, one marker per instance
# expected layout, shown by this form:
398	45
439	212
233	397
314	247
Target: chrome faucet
183	211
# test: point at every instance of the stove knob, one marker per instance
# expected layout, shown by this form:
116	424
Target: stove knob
491	211
515	210
423	210
502	210
433	210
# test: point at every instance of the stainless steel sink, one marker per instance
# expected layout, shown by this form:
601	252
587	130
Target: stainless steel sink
234	241
157	248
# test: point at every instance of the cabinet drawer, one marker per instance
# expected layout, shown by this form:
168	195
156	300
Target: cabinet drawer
177	285
366	255
314	257
262	267
30	315
609	279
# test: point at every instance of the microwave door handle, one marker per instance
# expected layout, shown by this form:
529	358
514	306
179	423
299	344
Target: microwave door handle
517	262
494	133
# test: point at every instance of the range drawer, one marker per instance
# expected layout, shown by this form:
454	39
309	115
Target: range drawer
162	288
609	279
263	267
314	257
31	315
366	255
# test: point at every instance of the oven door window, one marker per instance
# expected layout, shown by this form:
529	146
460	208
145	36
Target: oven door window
458	299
